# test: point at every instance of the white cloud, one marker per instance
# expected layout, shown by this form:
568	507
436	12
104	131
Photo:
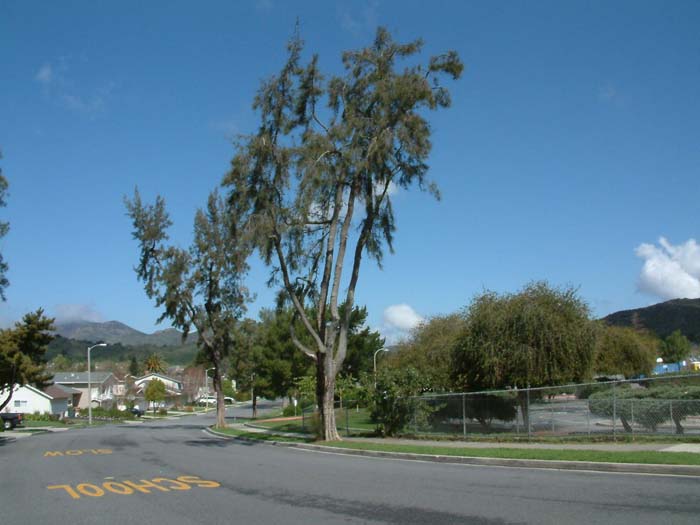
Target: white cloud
66	313
362	20
398	321
669	271
44	75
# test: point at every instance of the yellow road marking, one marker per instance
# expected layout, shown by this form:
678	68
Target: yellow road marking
126	487
77	452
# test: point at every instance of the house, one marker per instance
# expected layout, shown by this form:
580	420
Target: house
103	386
173	387
54	399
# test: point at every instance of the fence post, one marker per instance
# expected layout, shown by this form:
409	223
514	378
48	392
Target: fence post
529	414
551	415
614	412
670	412
347	421
464	416
588	417
632	416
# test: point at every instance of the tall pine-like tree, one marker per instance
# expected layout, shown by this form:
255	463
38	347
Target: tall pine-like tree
316	180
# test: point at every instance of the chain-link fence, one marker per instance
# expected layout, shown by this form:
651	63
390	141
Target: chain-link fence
659	405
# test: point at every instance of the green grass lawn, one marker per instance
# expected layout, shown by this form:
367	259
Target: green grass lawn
646	457
358	422
597	456
31	424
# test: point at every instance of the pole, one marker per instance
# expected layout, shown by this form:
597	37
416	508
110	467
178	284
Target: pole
90	381
89	390
464	416
375	364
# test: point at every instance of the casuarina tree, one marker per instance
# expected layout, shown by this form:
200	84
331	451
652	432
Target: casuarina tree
4	228
316	180
199	288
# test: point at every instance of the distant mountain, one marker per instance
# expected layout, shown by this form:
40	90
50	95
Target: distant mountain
115	332
663	318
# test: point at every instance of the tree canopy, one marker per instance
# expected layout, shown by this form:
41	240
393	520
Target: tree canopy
4	228
200	287
626	351
22	351
539	336
317	177
675	347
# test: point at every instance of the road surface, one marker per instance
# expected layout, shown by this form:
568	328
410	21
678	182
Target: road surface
171	472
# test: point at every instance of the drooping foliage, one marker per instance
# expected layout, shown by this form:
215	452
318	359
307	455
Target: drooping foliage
625	351
540	336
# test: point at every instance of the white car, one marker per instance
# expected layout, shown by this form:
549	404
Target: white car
211	400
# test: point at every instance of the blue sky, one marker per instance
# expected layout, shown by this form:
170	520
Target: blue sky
570	153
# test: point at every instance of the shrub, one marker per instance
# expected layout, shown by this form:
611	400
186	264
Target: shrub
162	412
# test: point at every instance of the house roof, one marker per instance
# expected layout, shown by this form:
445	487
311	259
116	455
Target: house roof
156	375
68	378
60	391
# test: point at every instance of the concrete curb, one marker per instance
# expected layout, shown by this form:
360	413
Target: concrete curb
591	466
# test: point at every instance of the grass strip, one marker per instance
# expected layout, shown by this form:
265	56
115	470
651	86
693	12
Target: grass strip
261	436
598	456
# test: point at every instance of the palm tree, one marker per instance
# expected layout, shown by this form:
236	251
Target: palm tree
154	363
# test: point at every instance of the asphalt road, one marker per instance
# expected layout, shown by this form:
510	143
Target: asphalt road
172	472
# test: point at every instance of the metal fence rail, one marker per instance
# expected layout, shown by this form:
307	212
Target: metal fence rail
660	405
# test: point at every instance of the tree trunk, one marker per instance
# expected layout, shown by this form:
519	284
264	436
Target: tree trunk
220	405
677	421
254	399
325	390
625	424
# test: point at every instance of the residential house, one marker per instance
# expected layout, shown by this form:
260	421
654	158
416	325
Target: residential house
103	385
173	388
54	399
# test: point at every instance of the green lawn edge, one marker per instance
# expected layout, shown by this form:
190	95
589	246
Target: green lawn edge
646	457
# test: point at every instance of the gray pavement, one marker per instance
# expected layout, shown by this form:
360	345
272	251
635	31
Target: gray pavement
138	474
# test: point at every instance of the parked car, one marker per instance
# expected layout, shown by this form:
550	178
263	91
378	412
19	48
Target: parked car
211	400
10	420
137	411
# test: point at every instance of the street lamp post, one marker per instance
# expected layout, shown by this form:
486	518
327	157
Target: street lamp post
375	364
90	382
206	382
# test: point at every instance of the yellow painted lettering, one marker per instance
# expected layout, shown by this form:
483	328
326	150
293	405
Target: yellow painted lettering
196	480
117	488
50	454
74	452
67	488
104	451
88	489
145	485
174	485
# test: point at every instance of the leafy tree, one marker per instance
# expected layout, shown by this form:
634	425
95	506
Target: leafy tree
362	343
537	337
154	364
200	287
22	351
155	392
60	363
4	228
395	403
675	348
134	368
312	174
625	351
429	350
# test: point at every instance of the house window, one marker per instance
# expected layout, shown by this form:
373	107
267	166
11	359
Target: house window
20	403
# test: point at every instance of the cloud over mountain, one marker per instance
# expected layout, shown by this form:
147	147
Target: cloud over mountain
670	271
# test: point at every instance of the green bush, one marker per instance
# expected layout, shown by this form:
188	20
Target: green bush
648	407
36	416
162	412
395	404
109	413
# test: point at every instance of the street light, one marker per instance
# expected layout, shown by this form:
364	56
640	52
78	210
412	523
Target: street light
375	364
90	382
206	382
